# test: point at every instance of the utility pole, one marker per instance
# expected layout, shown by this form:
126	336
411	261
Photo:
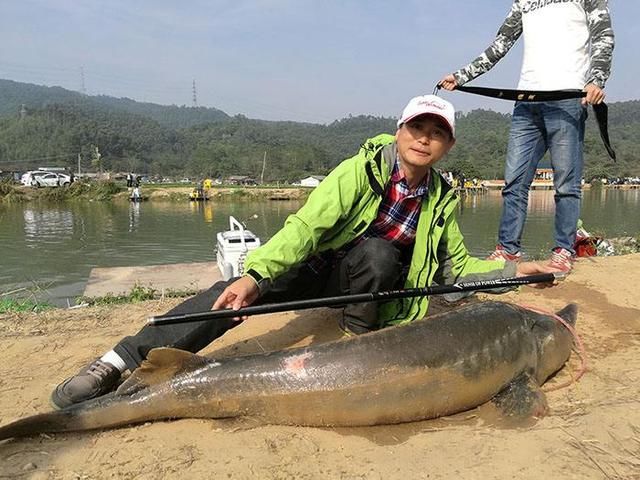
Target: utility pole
195	98
79	158
264	164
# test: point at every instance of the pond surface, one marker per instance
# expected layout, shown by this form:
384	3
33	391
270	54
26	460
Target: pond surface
49	249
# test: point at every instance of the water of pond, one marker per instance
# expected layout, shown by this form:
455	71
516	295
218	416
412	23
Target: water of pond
49	249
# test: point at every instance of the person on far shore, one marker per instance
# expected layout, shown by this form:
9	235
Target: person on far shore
567	45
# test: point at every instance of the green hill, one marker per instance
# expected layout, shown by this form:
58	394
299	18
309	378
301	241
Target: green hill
59	125
13	95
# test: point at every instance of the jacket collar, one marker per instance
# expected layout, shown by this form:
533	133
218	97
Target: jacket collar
381	154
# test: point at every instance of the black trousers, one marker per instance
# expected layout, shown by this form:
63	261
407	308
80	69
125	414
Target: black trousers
373	265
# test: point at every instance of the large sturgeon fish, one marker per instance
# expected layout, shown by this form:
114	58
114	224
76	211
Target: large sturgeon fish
444	364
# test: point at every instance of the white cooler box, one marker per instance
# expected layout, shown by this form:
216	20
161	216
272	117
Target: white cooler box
233	246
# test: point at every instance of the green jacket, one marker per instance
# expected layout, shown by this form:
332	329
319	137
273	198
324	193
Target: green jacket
343	206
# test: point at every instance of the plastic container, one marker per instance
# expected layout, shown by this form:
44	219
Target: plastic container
232	248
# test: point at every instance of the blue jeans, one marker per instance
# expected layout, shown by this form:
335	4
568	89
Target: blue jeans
535	128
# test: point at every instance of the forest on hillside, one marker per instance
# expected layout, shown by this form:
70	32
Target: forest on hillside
50	126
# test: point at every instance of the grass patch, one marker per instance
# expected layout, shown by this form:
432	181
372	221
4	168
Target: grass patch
10	194
78	190
13	197
52	194
138	293
5	188
176	197
10	305
240	193
93	191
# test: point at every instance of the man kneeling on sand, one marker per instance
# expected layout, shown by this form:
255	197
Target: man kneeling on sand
382	219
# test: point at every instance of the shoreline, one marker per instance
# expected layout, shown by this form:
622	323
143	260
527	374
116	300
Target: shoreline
109	191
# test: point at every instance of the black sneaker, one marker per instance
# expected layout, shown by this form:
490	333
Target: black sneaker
94	380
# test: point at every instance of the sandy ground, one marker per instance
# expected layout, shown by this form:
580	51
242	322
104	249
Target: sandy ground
591	432
192	277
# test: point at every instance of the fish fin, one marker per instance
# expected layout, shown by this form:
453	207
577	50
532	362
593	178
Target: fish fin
161	365
569	314
522	398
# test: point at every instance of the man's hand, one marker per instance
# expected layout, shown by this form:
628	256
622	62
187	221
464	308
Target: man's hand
594	96
449	82
532	268
241	293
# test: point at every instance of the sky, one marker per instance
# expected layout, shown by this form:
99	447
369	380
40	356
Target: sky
301	60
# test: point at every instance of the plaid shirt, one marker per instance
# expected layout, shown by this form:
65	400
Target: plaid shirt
399	211
397	219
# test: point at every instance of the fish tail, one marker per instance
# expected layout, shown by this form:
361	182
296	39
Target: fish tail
569	314
141	398
52	422
109	411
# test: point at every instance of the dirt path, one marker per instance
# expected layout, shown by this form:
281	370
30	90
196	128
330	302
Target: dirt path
592	431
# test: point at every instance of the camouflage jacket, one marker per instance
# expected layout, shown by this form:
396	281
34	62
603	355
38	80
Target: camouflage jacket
597	26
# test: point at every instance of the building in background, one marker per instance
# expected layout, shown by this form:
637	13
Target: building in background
312	181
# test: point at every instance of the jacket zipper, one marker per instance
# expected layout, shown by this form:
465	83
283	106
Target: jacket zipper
443	203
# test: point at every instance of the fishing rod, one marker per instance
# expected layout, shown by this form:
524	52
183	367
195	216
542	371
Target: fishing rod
343	300
601	110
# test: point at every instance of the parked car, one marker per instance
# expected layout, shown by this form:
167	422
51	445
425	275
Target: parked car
38	178
28	179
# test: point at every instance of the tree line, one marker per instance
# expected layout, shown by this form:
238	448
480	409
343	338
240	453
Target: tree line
44	126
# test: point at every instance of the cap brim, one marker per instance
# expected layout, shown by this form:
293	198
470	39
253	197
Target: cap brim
443	118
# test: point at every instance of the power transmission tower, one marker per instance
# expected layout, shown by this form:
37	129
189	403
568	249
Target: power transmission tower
83	89
23	111
195	98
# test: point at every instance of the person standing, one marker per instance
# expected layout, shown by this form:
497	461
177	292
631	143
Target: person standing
568	45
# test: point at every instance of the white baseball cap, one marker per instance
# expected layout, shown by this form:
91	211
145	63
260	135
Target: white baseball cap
433	105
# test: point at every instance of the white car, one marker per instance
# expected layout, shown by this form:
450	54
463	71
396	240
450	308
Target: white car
28	179
38	178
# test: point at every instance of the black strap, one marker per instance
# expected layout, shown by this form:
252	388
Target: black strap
524	95
373	182
601	110
602	117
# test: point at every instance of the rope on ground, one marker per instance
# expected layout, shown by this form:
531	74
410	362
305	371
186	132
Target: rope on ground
581	351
